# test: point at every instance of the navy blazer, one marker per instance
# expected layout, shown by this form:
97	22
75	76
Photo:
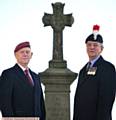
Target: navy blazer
95	93
17	97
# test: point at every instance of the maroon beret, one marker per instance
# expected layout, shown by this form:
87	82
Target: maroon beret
22	45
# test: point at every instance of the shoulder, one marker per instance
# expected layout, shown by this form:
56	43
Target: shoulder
107	69
108	64
102	63
6	76
9	71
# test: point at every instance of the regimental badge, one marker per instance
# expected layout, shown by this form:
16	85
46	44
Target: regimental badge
92	71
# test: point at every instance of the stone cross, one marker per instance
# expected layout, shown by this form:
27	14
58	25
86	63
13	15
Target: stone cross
57	21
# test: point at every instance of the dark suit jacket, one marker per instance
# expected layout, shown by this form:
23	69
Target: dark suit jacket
95	94
17	97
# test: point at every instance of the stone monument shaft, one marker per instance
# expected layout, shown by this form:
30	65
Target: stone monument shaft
57	78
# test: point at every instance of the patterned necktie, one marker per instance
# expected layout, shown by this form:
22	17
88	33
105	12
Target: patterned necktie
88	66
29	77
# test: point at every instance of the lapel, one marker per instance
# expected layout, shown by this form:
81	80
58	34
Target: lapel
82	76
18	71
83	73
37	94
20	75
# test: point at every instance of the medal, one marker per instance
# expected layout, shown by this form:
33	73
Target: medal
92	71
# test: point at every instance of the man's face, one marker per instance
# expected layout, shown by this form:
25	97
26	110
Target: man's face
93	49
23	56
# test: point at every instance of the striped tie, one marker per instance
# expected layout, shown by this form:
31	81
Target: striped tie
88	66
29	77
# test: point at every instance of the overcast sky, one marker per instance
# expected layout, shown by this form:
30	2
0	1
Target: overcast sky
21	20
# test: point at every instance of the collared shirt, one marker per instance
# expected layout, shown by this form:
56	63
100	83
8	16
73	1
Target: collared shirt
94	60
21	67
24	69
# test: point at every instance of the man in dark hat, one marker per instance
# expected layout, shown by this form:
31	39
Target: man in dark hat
95	92
20	88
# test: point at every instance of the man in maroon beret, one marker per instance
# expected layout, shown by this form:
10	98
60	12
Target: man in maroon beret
20	88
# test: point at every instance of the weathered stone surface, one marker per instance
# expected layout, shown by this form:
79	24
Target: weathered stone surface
57	78
57	21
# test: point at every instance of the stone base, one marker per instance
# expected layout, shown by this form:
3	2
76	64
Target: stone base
57	64
57	81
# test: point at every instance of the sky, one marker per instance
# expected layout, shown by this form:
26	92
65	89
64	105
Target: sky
21	20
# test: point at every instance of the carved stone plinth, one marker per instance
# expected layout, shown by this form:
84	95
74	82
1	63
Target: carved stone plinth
57	83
